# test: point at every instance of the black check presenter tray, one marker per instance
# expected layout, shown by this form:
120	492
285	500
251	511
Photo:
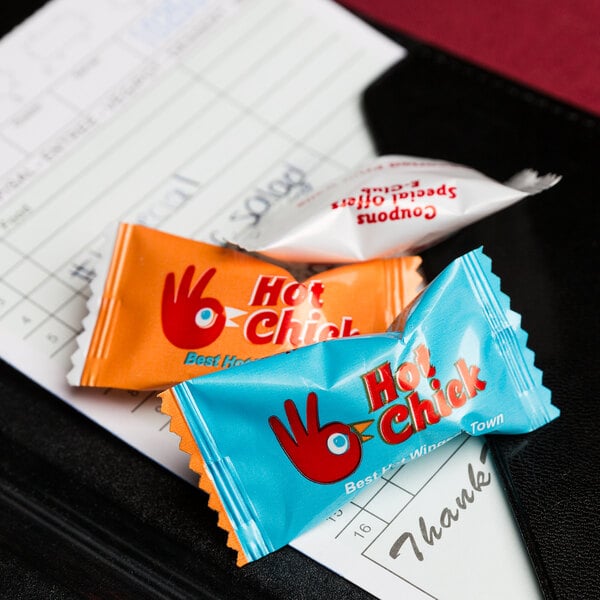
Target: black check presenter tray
84	515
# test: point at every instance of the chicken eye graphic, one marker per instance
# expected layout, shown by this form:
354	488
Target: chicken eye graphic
205	317
190	319
323	454
338	443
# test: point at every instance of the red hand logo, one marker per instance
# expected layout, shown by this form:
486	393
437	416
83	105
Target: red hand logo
188	319
322	454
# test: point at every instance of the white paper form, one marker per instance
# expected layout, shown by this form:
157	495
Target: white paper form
196	117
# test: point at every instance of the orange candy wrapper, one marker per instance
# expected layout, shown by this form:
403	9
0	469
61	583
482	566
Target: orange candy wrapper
173	308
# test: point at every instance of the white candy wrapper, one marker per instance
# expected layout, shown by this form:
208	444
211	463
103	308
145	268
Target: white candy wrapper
392	206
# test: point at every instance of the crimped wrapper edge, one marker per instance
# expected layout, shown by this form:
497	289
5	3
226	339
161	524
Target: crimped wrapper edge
179	427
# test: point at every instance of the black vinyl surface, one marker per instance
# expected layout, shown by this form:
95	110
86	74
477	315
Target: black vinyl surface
545	250
84	515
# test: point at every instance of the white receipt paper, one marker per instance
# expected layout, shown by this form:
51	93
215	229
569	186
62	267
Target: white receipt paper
197	117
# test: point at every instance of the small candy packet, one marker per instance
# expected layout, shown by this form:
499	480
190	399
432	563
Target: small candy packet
282	442
392	206
170	308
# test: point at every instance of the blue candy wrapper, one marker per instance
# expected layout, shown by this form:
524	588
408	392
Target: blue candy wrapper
282	442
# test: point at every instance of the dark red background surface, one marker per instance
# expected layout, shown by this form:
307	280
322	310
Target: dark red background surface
553	47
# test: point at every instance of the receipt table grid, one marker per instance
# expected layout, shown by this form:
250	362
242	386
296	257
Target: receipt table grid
75	272
383	500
